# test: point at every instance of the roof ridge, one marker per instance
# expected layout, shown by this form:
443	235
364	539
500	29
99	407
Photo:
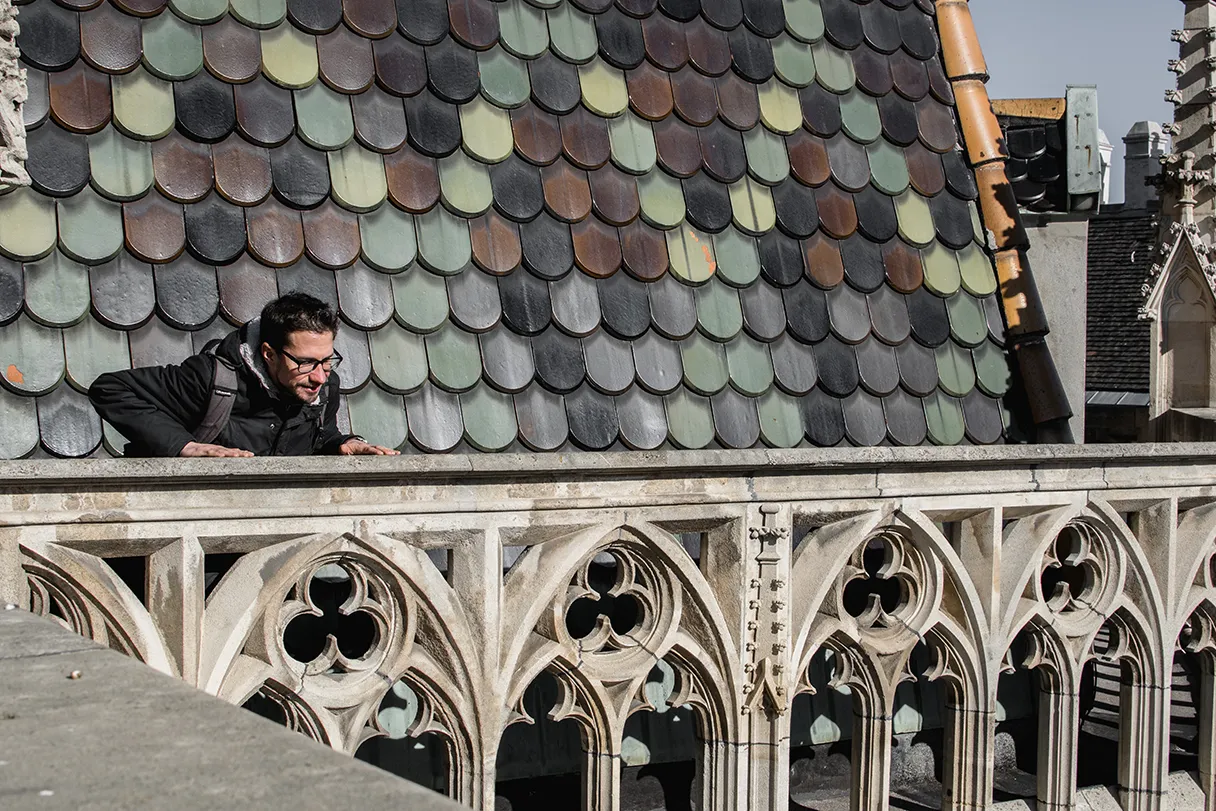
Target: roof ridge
1025	320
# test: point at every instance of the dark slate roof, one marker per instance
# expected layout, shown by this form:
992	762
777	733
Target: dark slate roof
1037	161
1117	342
548	224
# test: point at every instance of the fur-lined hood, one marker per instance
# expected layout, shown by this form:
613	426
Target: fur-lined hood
244	346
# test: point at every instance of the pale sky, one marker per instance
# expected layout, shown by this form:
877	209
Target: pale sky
1035	48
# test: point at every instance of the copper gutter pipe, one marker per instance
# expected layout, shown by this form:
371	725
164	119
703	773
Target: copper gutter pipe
1025	320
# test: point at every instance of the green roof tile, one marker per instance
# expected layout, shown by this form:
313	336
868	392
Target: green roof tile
323	117
143	104
90	228
719	313
662	199
992	372
767	159
704	361
978	276
486	131
31	357
465	184
955	371
691	254
388	239
421	299
967	322
571	33
859	116
632	140
28	226
522	28
398	358
173	48
443	241
454	357
944	416
751	366
690	422
378	416
834	68
915	219
780	109
804	19
56	290
289	56
751	206
780	419
604	90
199	11
358	179
504	79
259	13
794	61
489	418
888	167
941	269
737	256
121	167
91	350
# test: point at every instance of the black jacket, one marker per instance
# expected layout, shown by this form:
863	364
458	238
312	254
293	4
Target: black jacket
158	408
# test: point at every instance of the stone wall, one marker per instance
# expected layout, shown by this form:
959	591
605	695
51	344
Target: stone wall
1059	246
593	595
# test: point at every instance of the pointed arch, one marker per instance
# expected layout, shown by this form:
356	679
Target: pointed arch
530	593
84	594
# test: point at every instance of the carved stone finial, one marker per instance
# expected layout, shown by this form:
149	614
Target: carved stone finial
1186	181
13	93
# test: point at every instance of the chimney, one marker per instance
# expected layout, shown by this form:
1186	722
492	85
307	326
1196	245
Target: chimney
1144	146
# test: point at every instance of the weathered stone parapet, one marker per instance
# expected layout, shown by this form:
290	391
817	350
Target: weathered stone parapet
714	582
86	728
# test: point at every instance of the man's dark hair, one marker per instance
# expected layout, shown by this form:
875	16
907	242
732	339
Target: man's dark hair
296	312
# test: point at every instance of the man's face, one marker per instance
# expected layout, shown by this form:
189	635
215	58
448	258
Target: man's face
303	347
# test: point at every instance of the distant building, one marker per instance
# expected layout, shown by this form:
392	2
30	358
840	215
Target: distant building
1152	312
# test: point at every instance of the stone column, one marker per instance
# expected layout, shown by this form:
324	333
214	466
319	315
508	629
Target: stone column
871	756
1143	744
1059	724
967	756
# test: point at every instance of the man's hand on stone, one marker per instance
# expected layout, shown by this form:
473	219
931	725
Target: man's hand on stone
203	449
357	447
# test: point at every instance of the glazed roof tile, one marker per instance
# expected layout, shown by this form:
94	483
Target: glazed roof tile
545	223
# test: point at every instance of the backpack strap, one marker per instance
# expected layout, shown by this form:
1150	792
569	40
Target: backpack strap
219	409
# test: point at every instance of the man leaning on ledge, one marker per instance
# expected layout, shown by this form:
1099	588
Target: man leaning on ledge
275	395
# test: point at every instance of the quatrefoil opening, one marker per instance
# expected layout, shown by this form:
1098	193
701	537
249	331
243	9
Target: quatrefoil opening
1071	575
332	619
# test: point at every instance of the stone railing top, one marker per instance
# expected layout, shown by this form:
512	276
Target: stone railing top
321	470
89	727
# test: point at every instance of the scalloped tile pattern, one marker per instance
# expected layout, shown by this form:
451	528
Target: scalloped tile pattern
546	225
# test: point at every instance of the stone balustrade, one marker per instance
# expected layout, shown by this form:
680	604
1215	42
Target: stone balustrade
421	597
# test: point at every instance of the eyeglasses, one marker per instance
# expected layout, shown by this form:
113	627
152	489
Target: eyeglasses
307	366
